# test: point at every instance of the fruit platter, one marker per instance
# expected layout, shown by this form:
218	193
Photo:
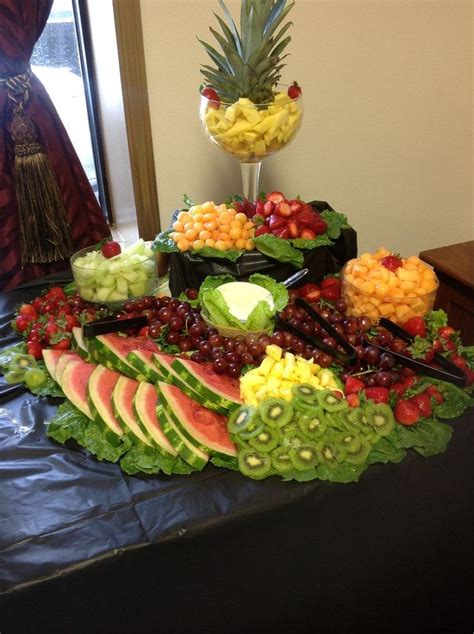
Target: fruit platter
295	383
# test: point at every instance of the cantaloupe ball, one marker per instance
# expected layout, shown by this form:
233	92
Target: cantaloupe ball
208	206
183	244
210	242
235	233
221	245
241	217
204	234
222	236
210	225
225	218
178	236
198	217
209	217
249	245
224	228
178	226
240	243
198	244
198	227
183	217
194	209
191	235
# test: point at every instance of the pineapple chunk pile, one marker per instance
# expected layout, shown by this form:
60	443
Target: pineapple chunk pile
246	131
277	374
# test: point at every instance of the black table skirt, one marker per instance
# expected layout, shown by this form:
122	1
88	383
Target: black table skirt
84	548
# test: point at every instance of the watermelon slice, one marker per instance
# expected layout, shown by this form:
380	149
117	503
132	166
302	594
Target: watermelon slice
101	384
51	358
122	402
144	405
61	364
206	429
185	448
74	382
142	361
165	363
222	390
80	342
111	350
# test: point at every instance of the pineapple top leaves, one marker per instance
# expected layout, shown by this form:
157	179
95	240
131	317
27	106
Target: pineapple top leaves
250	62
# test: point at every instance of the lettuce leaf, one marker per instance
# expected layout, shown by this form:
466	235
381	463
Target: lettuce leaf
385	450
335	221
456	400
279	249
320	241
163	243
143	459
210	252
343	472
428	437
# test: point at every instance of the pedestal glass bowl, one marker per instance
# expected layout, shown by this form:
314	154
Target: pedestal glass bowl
251	132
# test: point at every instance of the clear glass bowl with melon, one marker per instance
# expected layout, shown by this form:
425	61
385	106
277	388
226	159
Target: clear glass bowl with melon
251	131
369	289
131	274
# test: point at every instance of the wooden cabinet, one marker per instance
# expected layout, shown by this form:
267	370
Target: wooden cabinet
454	266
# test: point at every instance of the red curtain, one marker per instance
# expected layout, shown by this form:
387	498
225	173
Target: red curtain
21	24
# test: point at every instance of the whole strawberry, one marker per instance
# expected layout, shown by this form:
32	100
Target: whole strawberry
407	412
294	91
415	326
111	249
424	404
377	394
392	262
353	385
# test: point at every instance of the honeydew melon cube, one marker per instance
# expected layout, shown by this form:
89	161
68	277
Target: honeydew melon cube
86	292
138	289
122	285
130	276
102	294
107	281
117	296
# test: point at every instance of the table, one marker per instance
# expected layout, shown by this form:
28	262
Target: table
454	266
85	549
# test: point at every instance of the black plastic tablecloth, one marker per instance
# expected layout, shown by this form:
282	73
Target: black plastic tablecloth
84	548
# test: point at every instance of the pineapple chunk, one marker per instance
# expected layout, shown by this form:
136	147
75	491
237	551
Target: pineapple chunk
303	371
266	366
289	365
238	128
261	393
274	351
252	379
278	368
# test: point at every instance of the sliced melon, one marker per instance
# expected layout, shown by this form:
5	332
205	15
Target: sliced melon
74	382
142	361
165	362
63	361
203	380
51	358
80	342
111	350
99	390
144	405
187	451
122	402
204	428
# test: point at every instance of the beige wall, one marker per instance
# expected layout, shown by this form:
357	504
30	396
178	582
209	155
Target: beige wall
387	131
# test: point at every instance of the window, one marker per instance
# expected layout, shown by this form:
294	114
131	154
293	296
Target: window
62	61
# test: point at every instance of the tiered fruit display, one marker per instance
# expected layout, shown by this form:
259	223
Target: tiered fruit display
242	110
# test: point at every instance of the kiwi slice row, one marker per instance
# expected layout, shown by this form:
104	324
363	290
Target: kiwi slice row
316	428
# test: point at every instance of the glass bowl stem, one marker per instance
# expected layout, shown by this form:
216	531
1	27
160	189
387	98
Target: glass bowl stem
250	179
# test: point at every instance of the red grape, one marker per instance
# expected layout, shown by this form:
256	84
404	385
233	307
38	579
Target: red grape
220	366
176	324
185	345
233	370
172	337
165	315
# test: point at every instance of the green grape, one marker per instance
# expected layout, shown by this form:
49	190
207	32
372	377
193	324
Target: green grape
34	377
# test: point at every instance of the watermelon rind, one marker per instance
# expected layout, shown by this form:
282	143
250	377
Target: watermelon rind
68	386
173	378
186	371
127	419
149	423
145	366
184	426
99	403
188	452
103	351
79	341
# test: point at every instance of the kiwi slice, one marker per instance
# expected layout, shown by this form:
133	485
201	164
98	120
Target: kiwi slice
304	408
255	464
359	422
281	460
305	456
241	418
330	453
293	439
255	427
312	427
22	362
380	418
289	428
305	392
275	412
265	440
357	449
330	402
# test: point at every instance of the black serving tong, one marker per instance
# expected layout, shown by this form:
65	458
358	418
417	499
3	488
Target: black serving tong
106	325
447	370
348	356
9	390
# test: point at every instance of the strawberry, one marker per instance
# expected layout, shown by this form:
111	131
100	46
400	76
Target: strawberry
295	206
276	197
458	361
307	234
281	232
409	381
62	344
470	376
446	331
35	349
330	281
275	222
353	400
398	388
331	293
433	392
259	207
111	249
407	412
415	326
353	385
320	226
293	229
268	208
212	95
392	262
424	404
294	91
310	292
261	230
377	394
283	209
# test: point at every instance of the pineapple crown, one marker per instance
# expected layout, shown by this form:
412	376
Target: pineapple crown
251	61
